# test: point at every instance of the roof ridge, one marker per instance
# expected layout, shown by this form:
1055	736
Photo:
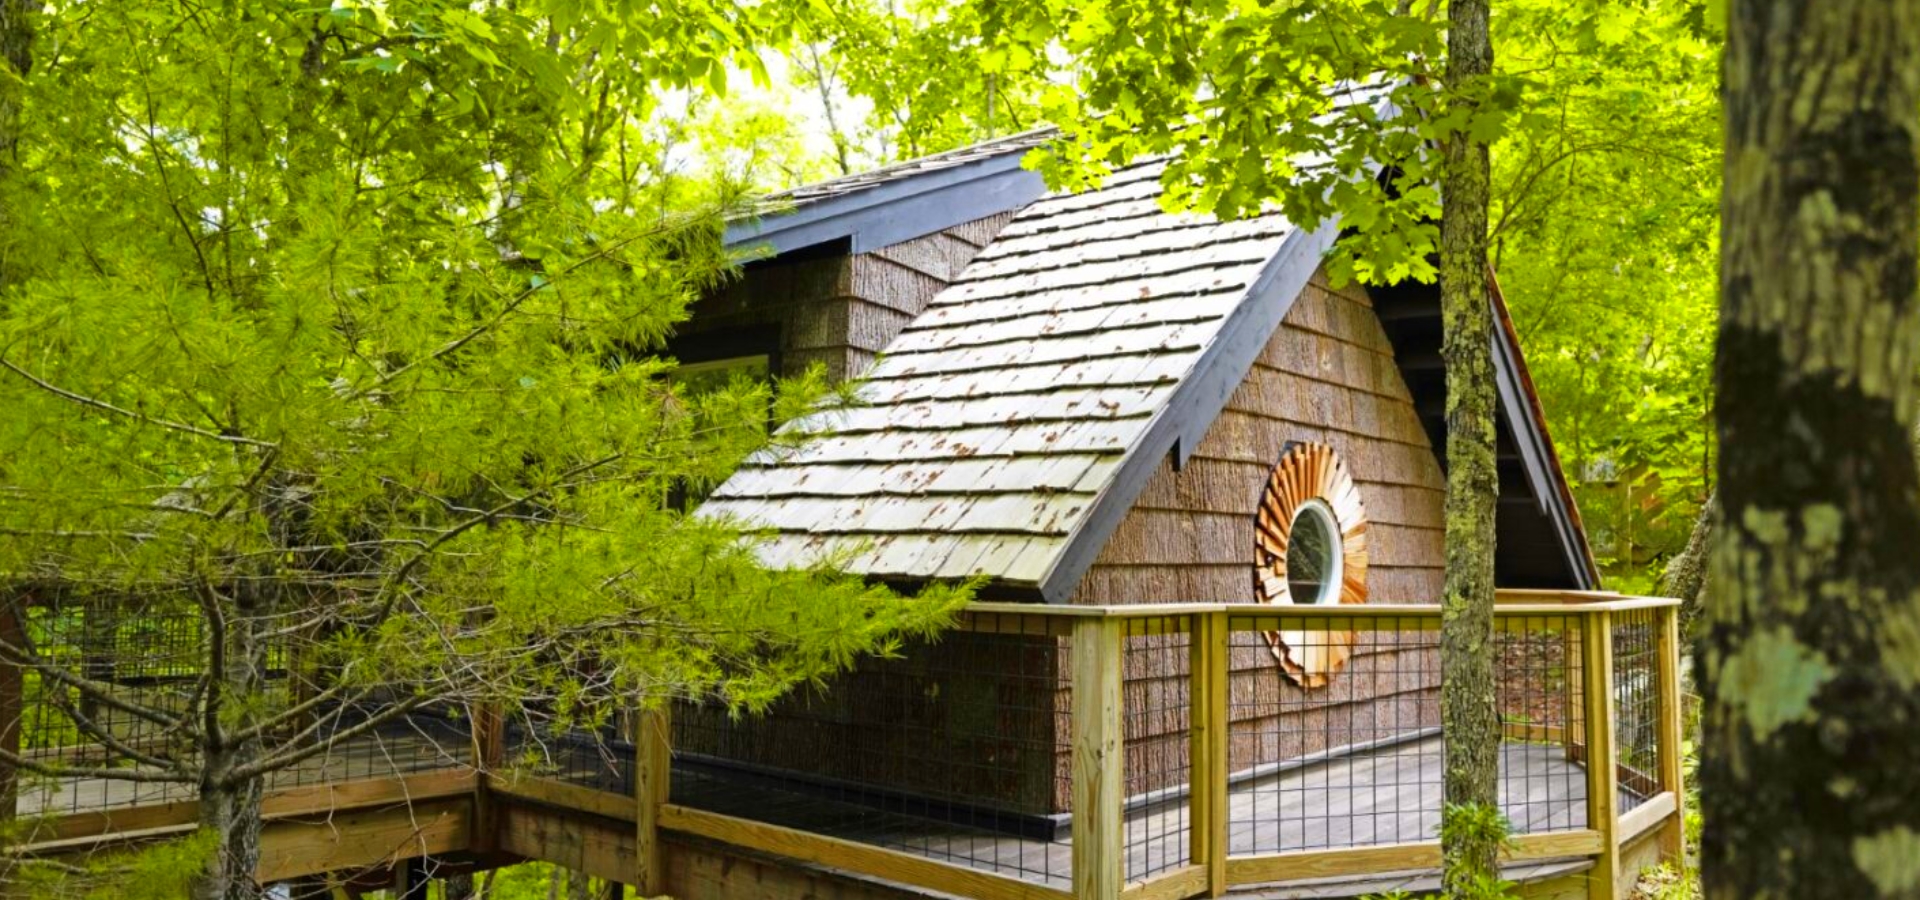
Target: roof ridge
995	146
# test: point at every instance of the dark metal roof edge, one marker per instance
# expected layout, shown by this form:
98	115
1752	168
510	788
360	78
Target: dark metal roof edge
1198	399
1527	420
867	216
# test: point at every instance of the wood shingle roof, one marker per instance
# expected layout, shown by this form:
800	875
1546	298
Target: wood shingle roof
1010	426
993	424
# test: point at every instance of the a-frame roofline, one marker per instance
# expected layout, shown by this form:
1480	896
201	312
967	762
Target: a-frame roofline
874	210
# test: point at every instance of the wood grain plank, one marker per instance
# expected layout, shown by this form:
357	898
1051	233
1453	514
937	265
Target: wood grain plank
904	868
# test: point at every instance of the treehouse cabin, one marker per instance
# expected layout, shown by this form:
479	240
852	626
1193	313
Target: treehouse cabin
1200	488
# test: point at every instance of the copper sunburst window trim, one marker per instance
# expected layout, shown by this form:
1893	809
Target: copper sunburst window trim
1310	480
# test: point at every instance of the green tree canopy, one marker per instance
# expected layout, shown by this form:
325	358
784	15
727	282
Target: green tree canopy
343	324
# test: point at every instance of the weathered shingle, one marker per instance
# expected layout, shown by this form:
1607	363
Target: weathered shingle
992	424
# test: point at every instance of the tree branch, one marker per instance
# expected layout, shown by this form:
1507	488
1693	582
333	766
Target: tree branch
127	413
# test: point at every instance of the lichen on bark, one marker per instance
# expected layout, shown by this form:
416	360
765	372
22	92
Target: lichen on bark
1468	712
1811	727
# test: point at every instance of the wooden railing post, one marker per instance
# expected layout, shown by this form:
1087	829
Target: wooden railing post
1210	651
652	776
1099	761
1603	776
1672	710
489	754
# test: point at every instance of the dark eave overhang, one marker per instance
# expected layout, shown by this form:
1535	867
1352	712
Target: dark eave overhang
890	212
1528	422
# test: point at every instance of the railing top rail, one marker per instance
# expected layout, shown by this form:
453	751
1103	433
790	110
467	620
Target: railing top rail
1509	604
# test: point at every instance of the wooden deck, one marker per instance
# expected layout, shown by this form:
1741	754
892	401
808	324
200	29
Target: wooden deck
1385	796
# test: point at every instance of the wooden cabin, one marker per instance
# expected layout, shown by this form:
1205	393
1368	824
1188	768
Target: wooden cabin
1200	488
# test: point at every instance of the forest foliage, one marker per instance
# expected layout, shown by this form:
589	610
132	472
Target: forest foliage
333	337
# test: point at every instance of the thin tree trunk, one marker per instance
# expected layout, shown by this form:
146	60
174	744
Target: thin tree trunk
230	806
1466	638
232	812
1686	576
16	60
16	52
1810	664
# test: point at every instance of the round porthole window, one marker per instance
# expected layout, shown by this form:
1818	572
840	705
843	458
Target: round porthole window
1310	548
1313	554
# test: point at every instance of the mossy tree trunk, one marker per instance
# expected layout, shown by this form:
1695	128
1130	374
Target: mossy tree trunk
1810	661
1685	578
1466	640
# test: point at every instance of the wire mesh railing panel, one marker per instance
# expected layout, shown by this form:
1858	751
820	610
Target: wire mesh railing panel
1636	705
958	751
602	757
1335	732
114	691
1537	691
108	680
366	741
1156	722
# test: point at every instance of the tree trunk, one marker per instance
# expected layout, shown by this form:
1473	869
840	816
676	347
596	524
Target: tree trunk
1466	639
1686	575
232	812
13	706
16	52
1810	662
229	804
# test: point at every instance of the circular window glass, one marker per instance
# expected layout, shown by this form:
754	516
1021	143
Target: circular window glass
1313	555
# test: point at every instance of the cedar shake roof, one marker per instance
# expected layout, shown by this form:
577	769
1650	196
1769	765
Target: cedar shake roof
1010	426
1001	414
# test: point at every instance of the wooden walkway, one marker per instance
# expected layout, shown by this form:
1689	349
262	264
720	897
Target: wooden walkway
1385	796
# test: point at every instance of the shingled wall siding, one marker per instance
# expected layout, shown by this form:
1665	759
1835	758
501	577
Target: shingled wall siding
840	311
1327	375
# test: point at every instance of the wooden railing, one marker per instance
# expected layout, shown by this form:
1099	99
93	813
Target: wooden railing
1582	631
1183	753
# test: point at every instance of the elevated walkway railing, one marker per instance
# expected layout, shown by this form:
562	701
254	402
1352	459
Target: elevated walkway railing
1153	751
1184	750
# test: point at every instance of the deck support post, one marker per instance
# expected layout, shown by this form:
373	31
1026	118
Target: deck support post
1099	760
489	753
1672	712
652	777
1603	775
1209	650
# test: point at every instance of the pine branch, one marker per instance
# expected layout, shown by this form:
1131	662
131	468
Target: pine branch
104	406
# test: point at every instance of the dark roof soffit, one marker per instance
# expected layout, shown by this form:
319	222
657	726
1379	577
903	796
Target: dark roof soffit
1527	421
